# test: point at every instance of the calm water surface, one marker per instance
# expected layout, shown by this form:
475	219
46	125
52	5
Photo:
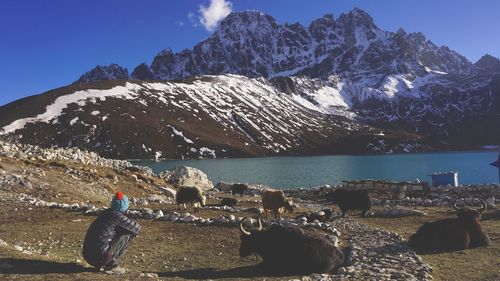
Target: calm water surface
289	172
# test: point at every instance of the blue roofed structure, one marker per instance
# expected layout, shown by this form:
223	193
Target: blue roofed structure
443	179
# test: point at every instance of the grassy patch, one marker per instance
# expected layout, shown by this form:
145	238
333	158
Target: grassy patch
174	251
475	264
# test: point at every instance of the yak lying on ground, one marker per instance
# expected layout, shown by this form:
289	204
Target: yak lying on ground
350	200
190	194
290	250
275	201
239	188
463	232
226	201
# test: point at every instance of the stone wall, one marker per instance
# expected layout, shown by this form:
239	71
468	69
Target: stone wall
385	188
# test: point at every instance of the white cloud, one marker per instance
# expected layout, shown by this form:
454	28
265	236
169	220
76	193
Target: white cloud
180	23
214	13
192	19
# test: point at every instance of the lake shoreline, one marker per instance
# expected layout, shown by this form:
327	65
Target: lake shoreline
485	149
306	171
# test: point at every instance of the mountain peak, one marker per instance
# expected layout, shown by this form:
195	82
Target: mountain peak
165	52
247	18
108	72
254	44
489	63
143	72
357	16
401	31
359	12
323	22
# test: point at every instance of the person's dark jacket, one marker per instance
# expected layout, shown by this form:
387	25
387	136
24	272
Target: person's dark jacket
108	226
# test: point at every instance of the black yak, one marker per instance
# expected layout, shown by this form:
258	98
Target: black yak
276	201
226	201
463	232
290	250
190	194
239	188
350	200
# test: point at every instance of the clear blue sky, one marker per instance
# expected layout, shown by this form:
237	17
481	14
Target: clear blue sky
50	43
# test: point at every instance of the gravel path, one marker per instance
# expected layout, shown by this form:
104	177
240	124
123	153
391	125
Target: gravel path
379	255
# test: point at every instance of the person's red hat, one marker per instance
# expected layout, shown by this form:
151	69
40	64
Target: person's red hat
119	195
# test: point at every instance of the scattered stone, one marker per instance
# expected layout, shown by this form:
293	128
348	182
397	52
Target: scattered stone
159	214
149	275
374	254
116	271
29	152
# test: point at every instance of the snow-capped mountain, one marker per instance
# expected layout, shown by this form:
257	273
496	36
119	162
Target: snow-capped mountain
207	116
108	72
257	87
253	44
366	61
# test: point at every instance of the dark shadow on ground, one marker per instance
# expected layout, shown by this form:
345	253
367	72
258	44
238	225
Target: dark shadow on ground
403	247
211	273
23	266
493	215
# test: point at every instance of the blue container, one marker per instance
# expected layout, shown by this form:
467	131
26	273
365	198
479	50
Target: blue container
450	178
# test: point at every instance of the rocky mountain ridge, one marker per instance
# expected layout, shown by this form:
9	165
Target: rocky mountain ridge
337	86
208	116
254	44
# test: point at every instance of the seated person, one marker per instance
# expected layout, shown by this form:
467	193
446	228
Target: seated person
109	236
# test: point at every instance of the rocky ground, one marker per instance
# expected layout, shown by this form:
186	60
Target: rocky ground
49	197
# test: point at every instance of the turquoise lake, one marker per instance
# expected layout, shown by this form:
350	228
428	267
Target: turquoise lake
306	171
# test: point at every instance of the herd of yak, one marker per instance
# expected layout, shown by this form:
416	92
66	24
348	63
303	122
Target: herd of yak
294	250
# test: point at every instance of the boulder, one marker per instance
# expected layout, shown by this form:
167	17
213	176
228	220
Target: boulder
189	176
168	191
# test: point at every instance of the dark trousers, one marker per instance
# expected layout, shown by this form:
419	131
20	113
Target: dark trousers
117	248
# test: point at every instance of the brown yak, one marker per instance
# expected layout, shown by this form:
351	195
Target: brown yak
463	232
275	201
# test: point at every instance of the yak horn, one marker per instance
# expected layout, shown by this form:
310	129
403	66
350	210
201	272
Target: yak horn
484	207
455	206
260	224
242	229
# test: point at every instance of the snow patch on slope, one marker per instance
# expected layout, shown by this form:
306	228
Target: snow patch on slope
55	109
180	134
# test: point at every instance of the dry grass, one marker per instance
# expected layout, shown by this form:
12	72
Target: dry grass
71	182
174	251
475	264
